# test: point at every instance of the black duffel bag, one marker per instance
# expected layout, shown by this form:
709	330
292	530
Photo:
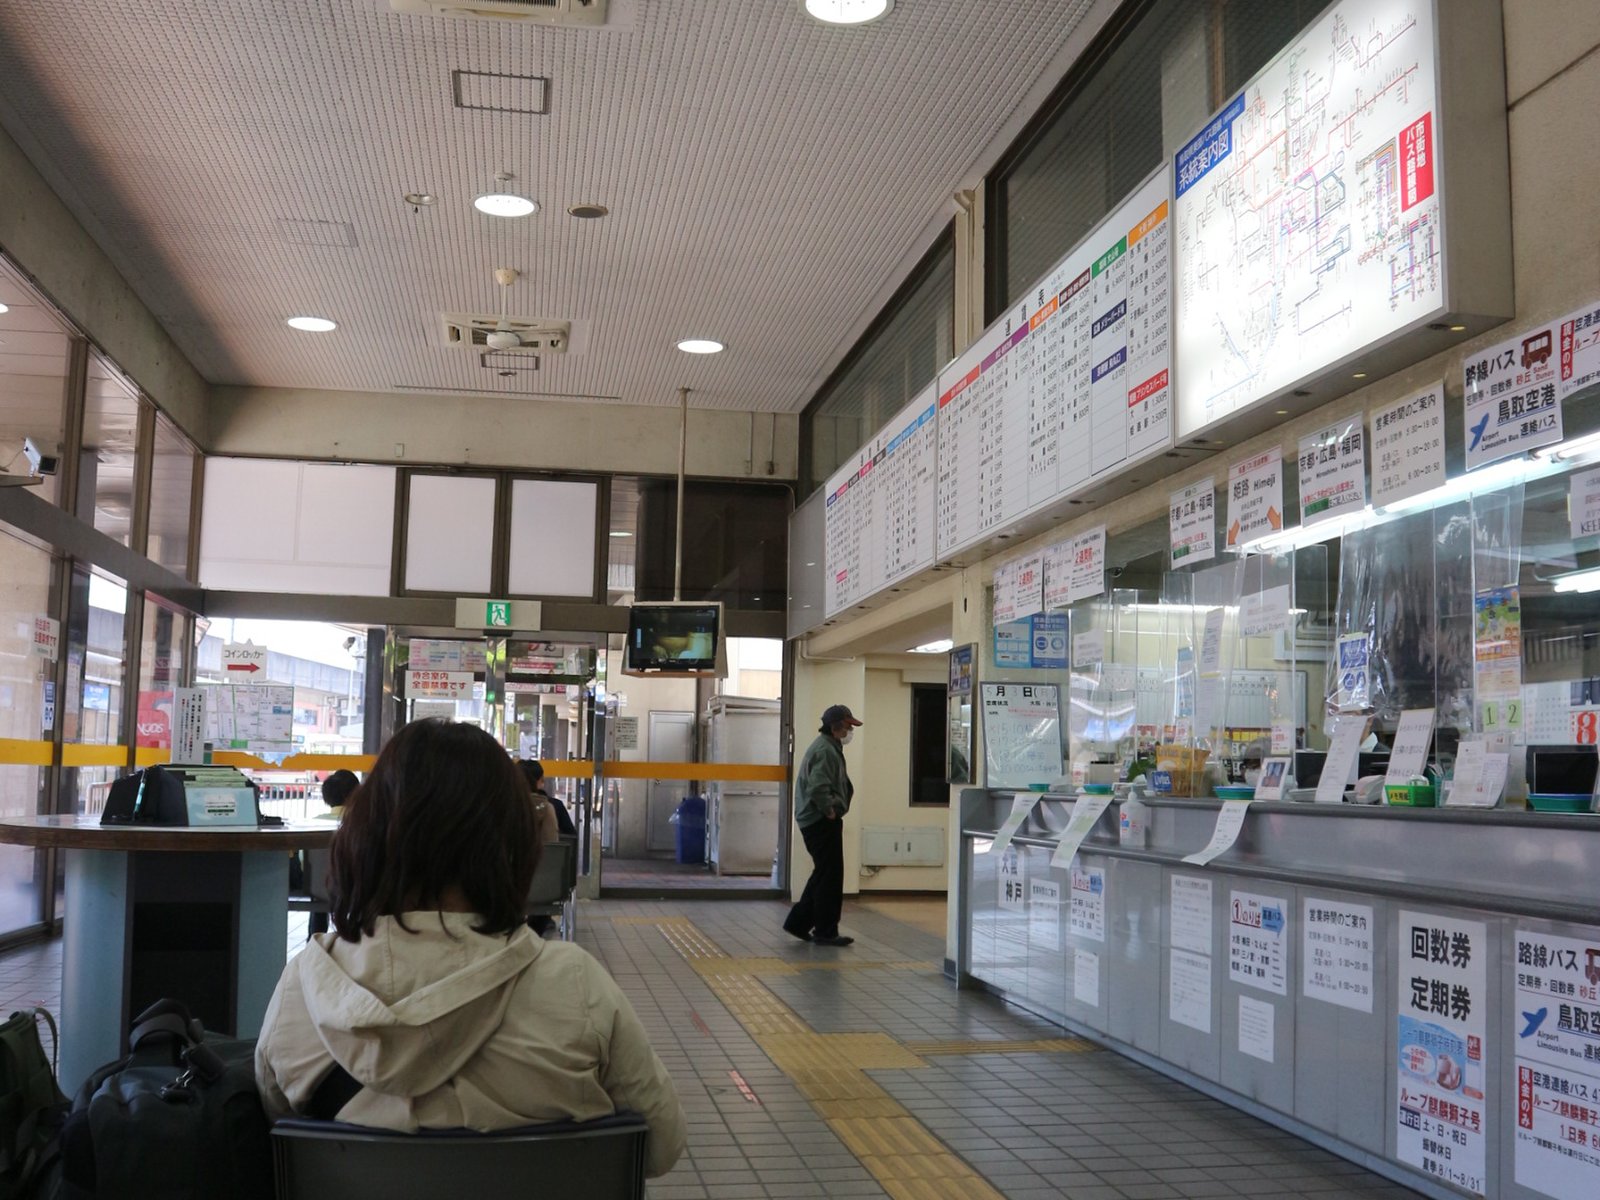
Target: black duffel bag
178	1119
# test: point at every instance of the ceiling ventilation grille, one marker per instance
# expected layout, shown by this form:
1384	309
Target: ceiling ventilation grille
509	362
471	331
578	13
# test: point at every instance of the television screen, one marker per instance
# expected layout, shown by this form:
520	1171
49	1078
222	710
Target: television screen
673	637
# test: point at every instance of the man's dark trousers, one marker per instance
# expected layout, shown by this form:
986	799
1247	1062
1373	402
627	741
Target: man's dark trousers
817	910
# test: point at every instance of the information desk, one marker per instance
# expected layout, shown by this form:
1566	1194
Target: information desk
1416	990
194	914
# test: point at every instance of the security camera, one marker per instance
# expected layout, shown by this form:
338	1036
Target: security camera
39	462
350	642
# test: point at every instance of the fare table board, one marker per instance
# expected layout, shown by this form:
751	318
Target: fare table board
1072	384
878	519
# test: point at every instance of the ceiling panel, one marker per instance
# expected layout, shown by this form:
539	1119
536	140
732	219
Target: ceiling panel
765	175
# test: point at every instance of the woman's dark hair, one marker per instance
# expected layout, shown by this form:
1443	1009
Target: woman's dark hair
533	771
443	806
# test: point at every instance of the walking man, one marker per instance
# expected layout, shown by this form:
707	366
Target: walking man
822	797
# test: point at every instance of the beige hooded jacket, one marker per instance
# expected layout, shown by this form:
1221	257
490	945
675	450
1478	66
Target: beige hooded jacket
451	1029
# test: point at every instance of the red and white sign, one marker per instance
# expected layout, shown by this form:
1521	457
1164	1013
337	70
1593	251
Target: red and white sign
1416	161
155	720
439	685
246	663
46	637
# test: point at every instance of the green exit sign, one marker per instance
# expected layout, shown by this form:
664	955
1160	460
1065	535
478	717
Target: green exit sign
497	614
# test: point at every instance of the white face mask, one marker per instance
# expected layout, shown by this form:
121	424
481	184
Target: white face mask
848	734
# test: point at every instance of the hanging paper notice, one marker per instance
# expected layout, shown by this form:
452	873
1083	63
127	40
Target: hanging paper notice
1044	915
1552	1026
1344	751
1264	612
1337	952
1411	740
1088	915
1583	505
1442	1117
1511	392
1353	652
1189	989
1192	521
1257	1019
1029	586
1333	471
1005	594
1021	734
1580	349
1229	822
1087	569
1408	446
1258	937
1086	977
1190	913
1088	648
1255	498
1086	814
1211	642
1497	659
1021	806
1057	576
1282	736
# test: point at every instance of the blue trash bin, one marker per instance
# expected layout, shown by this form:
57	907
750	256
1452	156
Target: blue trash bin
690	819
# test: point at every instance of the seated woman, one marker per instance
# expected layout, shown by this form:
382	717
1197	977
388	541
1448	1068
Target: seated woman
432	992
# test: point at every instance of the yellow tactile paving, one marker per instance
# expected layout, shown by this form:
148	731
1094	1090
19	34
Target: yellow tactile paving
1046	1046
829	1069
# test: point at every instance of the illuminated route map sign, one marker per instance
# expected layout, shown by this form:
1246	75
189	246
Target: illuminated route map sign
1306	213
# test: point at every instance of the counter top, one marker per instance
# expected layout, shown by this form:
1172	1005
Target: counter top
86	833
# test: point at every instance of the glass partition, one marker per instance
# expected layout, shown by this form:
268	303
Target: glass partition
171	497
34	350
27	706
108	467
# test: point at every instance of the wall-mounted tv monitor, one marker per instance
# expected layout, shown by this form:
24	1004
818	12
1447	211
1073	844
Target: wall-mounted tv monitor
674	638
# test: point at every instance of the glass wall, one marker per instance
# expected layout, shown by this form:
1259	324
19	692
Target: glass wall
171	497
163	653
27	701
34	350
94	752
106	471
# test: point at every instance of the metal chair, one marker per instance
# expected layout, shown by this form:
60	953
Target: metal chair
601	1160
553	883
315	897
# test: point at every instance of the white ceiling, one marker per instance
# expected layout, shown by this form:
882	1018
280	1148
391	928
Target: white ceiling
766	175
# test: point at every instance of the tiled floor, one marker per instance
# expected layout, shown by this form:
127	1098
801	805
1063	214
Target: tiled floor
667	875
809	1071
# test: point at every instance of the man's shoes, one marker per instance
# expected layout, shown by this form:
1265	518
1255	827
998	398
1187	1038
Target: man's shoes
837	939
803	934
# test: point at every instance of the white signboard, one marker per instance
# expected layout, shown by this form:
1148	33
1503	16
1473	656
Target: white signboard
188	725
439	685
1013	880
1579	349
1258	937
245	663
1088	914
1336	953
1086	567
1072	383
1306	216
1583	505
1086	977
1190	914
1257	1019
1044	914
1555	1028
1333	471
1192	520
1442	1116
1229	822
879	512
1189	989
1021	734
46	637
1255	498
1512	396
1408	446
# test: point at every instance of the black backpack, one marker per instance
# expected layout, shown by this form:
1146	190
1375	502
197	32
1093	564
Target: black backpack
178	1119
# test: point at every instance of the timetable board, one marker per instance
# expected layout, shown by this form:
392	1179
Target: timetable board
1070	385
1305	214
878	518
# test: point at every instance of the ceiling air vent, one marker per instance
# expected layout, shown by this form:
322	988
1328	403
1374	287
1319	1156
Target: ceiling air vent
579	13
472	330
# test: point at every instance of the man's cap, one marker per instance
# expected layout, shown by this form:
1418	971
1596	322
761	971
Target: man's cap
838	713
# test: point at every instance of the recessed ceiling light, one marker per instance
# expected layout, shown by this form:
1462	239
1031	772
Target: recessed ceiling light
848	12
5	308
1359	375
1458	329
505	204
1283	412
588	212
701	346
620	533
312	324
419	199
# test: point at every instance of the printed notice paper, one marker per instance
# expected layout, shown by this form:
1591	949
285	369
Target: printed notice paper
1344	750
1333	471
1256	1021
1057	576
1229	822
1086	571
1086	977
1044	914
1337	953
1192	520
1583	505
1189	989
1088	911
1190	913
1086	814
1255	498
1511	397
1264	612
1088	648
1021	806
1029	580
1258	939
1408	446
1410	754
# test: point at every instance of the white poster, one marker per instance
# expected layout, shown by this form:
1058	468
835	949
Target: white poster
1333	471
1230	820
1029	582
1257	1023
1189	989
1044	915
1555	1027
1086	567
1579	349
1337	953
1443	1122
1583	505
1258	936
1013	880
1088	915
1255	497
1086	977
1511	394
188	725
1192	521
1021	734
1190	916
1408	446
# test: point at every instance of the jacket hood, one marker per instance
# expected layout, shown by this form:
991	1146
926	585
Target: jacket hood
402	1012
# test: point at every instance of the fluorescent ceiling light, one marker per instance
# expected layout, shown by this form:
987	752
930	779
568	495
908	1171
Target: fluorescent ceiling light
504	204
939	647
848	12
701	346
620	533
1567	451
1579	581
312	324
